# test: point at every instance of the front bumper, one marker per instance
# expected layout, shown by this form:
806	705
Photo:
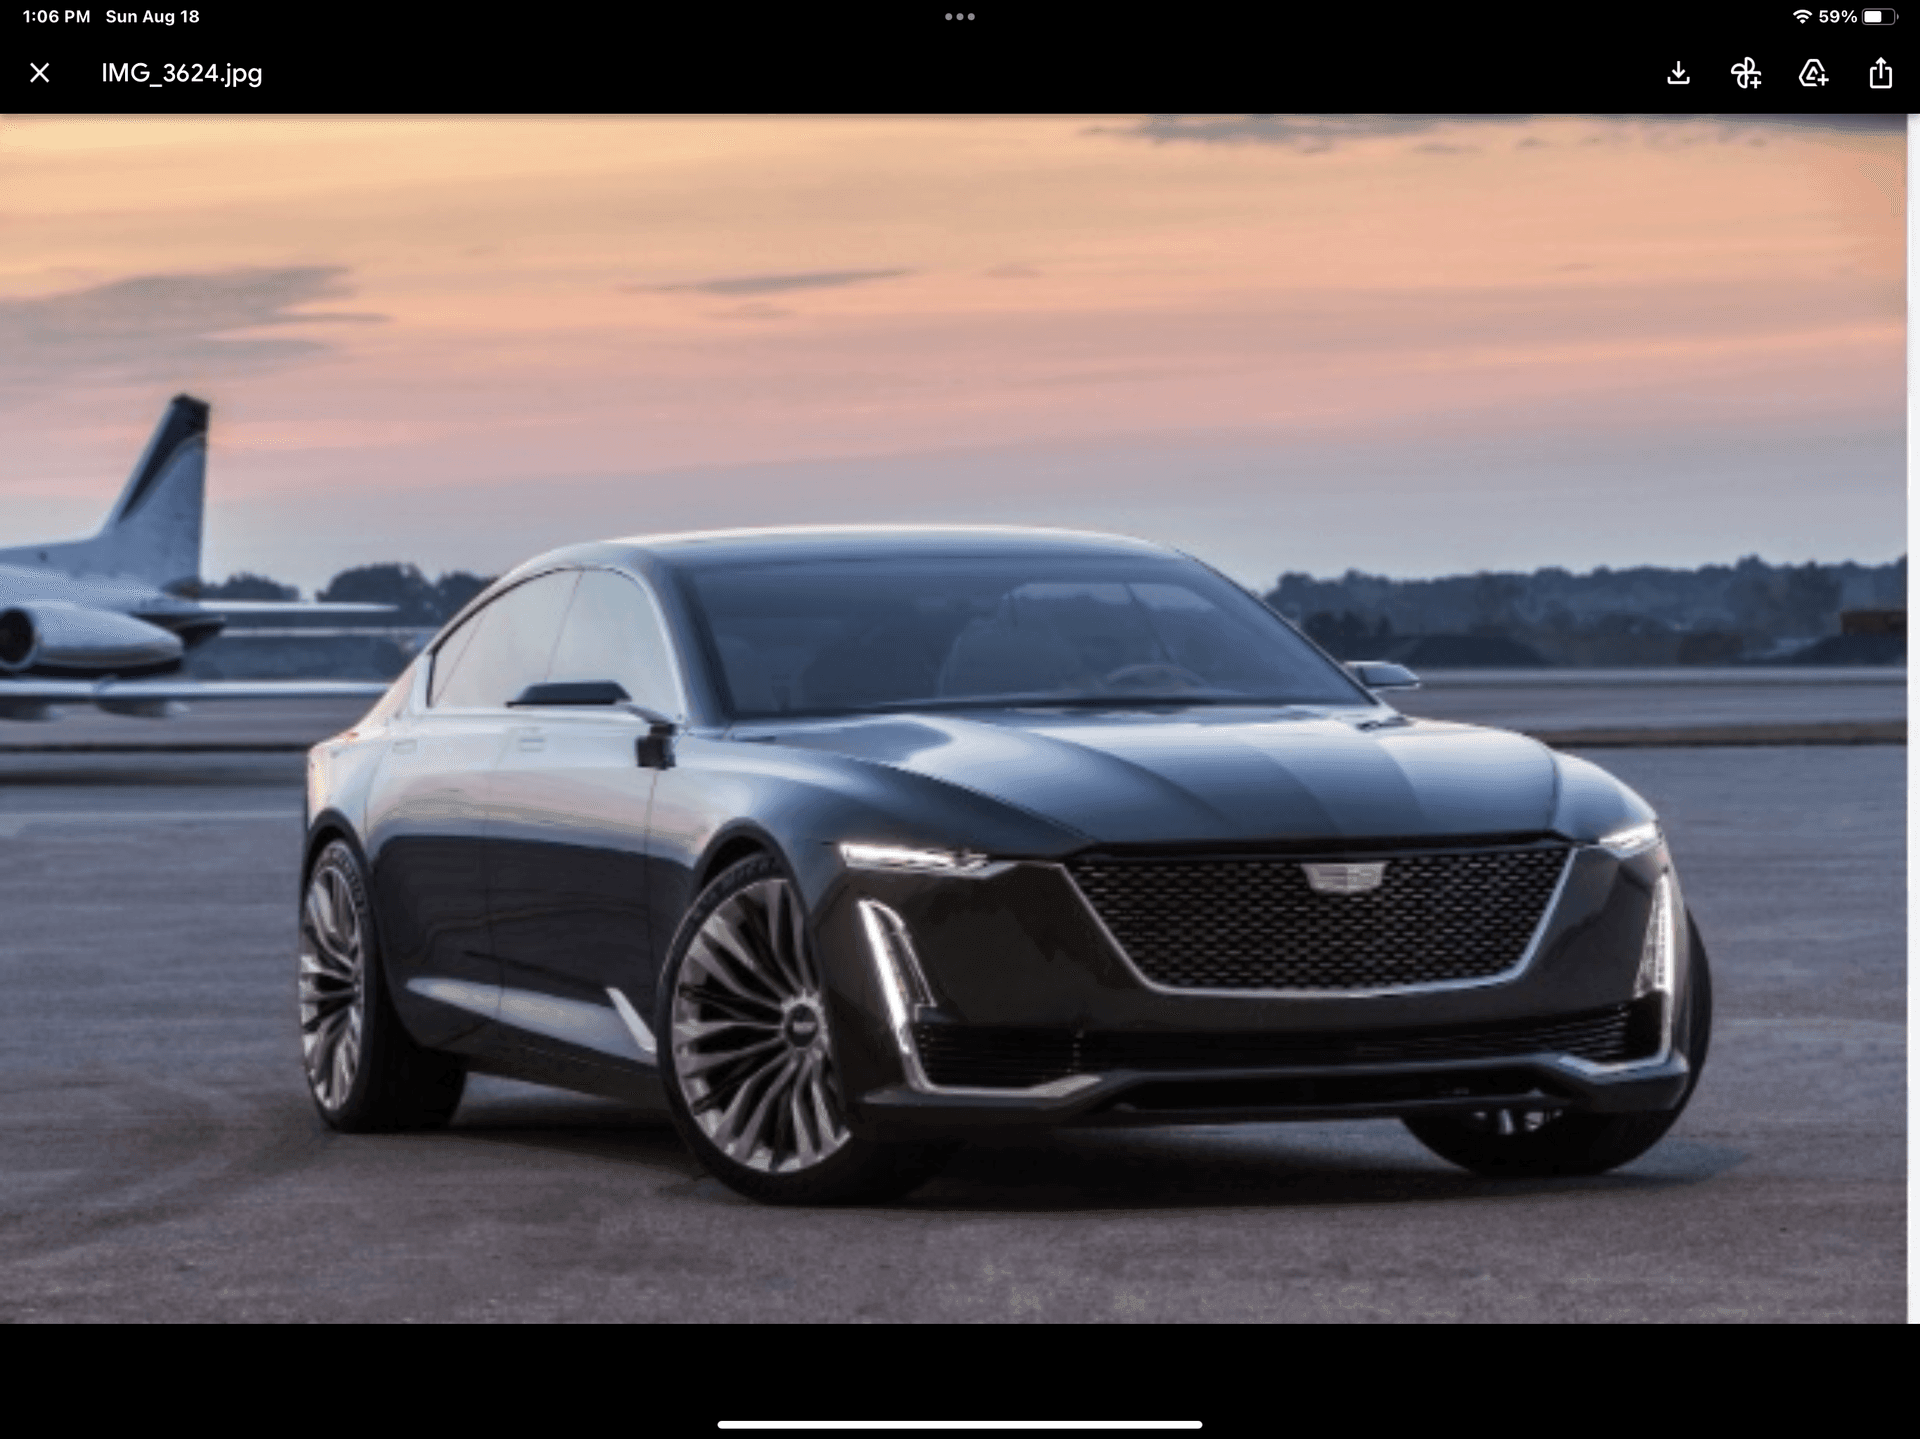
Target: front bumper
1238	1096
1018	959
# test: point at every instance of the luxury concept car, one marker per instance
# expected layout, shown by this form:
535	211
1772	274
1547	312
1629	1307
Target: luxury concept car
845	845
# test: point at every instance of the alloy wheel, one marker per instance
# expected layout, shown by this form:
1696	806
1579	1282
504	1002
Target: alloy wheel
749	1033
332	983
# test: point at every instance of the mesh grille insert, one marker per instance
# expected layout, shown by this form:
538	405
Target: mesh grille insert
1209	923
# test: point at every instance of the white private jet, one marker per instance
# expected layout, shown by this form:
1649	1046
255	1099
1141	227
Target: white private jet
105	620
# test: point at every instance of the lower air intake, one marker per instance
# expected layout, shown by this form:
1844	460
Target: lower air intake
975	1057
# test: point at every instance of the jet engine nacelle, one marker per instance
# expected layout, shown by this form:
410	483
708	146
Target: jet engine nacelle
52	635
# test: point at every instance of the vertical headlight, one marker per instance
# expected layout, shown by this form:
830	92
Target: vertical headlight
901	984
1657	951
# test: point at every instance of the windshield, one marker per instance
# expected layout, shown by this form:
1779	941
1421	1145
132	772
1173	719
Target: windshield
835	636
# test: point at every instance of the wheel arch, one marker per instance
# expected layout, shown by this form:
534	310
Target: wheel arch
729	847
326	827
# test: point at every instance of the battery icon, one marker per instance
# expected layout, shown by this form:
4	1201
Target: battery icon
1878	17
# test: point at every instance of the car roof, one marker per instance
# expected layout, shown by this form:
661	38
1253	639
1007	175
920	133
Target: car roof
697	548
862	541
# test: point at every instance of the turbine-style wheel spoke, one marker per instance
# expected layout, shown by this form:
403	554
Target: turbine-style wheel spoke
778	931
332	993
733	958
739	1120
706	1061
796	938
750	1043
730	1006
760	1133
731	972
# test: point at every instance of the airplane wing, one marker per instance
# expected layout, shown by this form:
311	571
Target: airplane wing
156	699
336	608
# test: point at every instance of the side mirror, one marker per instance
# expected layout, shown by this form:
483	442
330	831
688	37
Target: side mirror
572	692
1380	675
653	750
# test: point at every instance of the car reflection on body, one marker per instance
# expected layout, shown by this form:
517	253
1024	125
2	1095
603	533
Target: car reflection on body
845	845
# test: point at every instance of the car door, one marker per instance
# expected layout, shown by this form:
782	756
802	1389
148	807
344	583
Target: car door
428	821
567	883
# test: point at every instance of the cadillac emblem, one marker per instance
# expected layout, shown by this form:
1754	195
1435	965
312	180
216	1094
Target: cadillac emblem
1344	878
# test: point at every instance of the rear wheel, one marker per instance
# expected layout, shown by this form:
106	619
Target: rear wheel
364	1071
1519	1142
748	1058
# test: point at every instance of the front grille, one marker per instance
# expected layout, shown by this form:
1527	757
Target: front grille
1255	924
976	1057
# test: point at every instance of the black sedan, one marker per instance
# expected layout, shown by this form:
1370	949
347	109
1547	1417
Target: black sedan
844	845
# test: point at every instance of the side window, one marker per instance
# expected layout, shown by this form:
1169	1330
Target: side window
613	632
446	659
511	645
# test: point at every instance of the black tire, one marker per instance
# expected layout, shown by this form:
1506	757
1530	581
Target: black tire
1571	1143
746	1054
363	1069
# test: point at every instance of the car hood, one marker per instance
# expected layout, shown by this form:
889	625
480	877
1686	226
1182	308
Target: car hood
1203	776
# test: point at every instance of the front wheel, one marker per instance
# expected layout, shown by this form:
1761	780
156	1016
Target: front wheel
1522	1143
747	1056
363	1069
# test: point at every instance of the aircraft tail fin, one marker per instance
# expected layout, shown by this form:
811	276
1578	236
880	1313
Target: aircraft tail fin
154	531
153	534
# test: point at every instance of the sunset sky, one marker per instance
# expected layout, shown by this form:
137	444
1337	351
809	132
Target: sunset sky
1401	345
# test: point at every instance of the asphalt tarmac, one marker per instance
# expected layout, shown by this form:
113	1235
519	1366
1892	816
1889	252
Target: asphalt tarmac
159	1158
1690	705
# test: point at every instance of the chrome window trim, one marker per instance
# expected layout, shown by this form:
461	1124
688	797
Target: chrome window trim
415	703
471	616
683	712
1505	976
677	678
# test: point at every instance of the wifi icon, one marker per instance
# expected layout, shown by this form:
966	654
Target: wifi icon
1803	16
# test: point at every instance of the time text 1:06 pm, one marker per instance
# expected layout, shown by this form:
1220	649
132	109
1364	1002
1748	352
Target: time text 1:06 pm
139	73
114	17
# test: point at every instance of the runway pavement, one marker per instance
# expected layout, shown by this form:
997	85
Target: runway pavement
1692	705
159	1158
1785	705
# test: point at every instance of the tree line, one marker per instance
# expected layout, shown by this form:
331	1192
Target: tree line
417	600
1749	610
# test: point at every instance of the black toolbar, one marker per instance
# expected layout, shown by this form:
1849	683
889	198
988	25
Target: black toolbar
224	57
